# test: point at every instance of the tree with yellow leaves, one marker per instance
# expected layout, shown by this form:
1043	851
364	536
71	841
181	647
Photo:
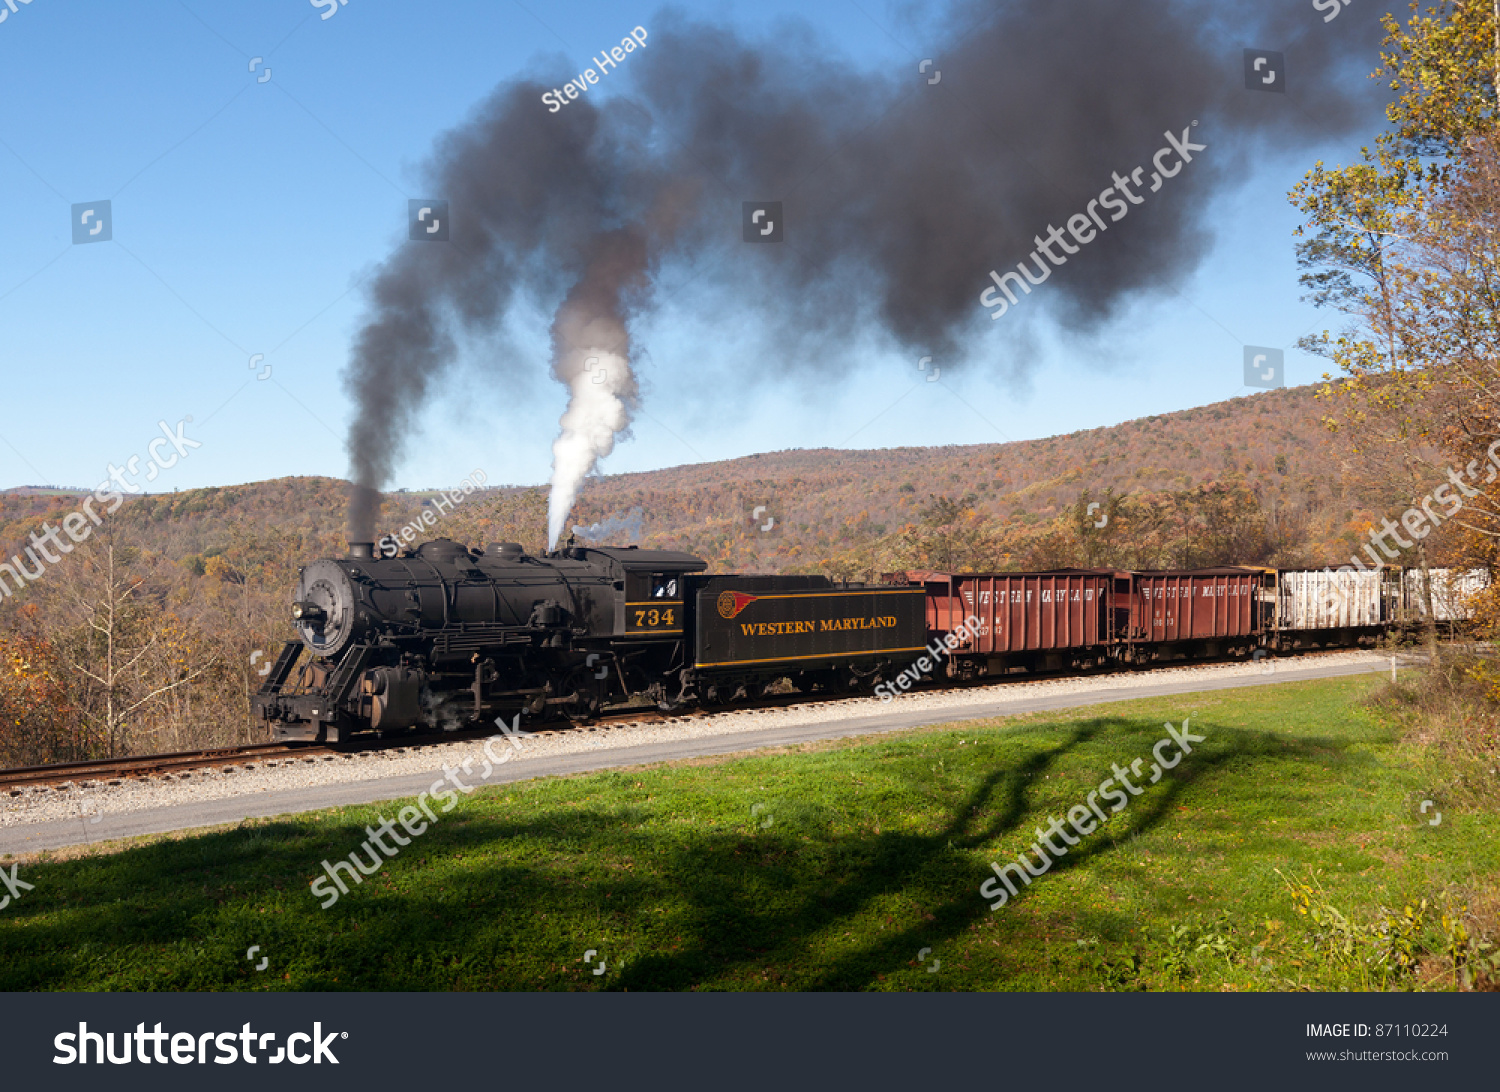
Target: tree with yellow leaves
39	721
1389	242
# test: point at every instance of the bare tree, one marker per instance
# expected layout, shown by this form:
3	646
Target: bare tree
116	639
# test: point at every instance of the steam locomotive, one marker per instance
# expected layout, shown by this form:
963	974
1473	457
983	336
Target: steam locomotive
446	635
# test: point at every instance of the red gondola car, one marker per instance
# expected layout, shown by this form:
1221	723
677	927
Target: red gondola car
1035	621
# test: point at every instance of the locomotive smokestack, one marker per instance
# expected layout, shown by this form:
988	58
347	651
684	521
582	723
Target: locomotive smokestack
364	504
361	551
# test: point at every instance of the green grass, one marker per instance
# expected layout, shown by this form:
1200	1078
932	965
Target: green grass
826	867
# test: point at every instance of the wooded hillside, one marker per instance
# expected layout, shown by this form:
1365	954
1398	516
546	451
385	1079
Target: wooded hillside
823	502
151	634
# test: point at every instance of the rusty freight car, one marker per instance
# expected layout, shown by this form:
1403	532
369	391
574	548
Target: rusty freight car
1025	621
1169	615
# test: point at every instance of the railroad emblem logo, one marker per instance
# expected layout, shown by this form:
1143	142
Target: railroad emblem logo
732	602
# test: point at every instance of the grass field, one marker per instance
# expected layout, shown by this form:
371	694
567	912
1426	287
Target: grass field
845	866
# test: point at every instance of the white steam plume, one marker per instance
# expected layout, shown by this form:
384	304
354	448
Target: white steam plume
601	395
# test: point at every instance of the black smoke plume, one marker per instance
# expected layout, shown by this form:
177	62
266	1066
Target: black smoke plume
899	195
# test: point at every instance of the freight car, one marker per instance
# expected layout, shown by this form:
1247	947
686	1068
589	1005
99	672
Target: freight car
1191	614
1026	621
1319	608
1452	590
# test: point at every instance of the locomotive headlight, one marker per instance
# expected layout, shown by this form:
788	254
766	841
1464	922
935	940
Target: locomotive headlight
309	612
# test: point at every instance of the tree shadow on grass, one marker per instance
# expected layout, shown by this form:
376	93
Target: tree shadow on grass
938	866
482	901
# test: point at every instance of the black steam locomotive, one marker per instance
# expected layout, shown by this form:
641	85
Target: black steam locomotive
444	636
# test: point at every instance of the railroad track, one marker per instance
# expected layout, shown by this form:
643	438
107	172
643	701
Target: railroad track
183	763
114	770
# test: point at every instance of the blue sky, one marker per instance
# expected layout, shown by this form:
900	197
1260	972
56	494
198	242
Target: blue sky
247	212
